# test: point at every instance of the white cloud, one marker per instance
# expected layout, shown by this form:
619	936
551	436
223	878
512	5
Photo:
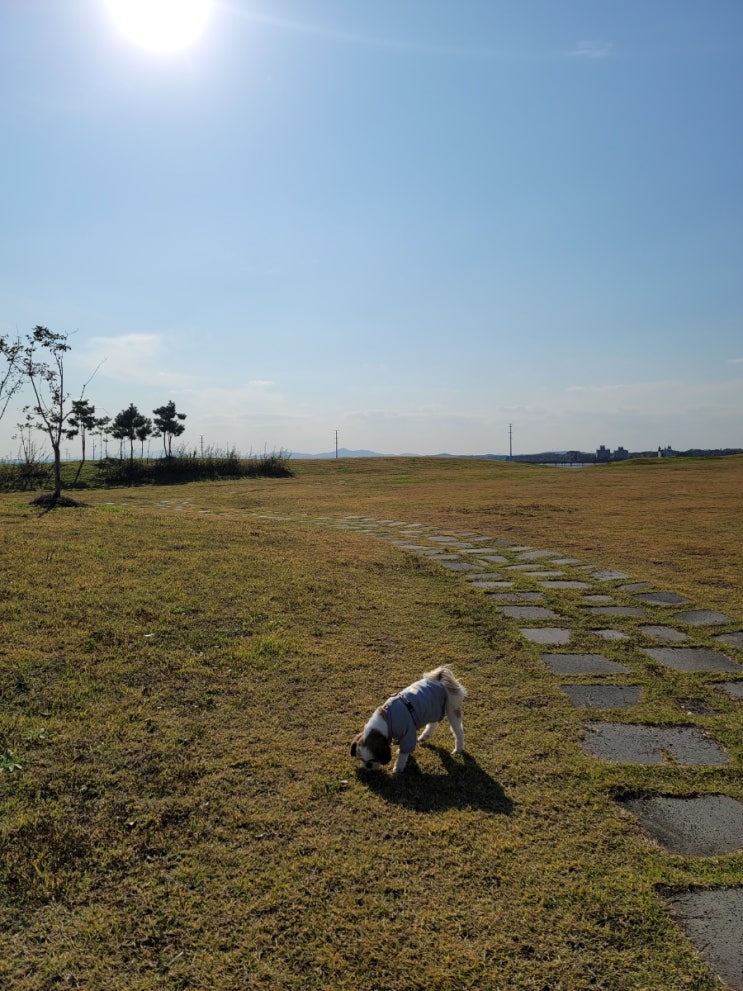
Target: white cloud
735	361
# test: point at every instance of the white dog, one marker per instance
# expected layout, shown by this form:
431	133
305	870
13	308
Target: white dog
424	703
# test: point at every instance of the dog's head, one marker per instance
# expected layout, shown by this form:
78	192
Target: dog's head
371	749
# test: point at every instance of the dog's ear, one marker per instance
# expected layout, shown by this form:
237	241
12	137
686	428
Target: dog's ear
353	744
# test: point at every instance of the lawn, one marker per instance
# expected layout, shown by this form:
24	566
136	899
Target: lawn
182	670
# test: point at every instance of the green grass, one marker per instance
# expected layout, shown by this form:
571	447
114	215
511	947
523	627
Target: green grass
179	683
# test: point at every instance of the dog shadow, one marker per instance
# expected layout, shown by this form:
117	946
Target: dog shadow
464	785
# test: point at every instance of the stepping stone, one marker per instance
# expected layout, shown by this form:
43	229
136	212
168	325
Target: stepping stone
635	587
565	560
692	659
564	584
520	567
484	576
481	583
624	743
542	574
516	596
711	919
583	664
546	634
595	599
661	598
733	689
608	576
529	555
732	639
663	633
703	617
458	565
611	634
616	611
528	612
704	826
603	696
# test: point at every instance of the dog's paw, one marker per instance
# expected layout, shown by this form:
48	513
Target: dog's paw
458	750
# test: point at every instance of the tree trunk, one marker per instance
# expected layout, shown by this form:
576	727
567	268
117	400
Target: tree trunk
57	473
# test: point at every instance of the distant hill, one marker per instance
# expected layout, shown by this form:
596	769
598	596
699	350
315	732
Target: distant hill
343	452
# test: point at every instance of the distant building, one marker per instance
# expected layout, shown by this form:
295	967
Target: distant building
665	452
621	454
603	454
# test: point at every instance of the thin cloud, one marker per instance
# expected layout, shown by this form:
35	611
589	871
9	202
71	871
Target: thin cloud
735	361
591	50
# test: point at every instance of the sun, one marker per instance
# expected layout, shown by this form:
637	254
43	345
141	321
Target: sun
161	25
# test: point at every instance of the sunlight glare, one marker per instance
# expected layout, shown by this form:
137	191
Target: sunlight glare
161	25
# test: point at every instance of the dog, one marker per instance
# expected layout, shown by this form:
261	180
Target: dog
424	703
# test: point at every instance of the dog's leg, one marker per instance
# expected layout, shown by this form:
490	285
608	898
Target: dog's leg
457	728
402	759
427	732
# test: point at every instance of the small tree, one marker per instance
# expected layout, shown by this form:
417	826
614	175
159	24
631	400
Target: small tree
129	425
81	421
42	363
168	424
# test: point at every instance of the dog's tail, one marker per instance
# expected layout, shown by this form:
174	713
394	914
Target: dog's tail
453	687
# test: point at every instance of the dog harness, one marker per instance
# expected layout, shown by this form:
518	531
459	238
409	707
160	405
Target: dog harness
416	706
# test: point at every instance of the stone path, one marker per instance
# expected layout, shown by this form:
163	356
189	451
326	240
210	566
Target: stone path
532	586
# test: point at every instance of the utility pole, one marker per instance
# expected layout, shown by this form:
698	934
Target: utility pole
510	442
336	443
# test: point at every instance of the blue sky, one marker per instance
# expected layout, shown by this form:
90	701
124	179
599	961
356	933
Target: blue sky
411	221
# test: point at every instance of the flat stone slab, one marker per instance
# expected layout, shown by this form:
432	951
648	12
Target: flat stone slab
661	598
703	826
458	565
635	587
492	558
564	584
490	584
598	600
546	634
603	696
712	918
733	689
703	617
543	574
529	555
623	743
565	560
528	612
663	633
516	596
609	576
731	639
616	611
583	664
692	659
610	635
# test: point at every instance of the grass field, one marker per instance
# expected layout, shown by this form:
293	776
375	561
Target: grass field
180	678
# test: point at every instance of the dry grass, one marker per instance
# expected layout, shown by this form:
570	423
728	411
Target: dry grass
179	681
